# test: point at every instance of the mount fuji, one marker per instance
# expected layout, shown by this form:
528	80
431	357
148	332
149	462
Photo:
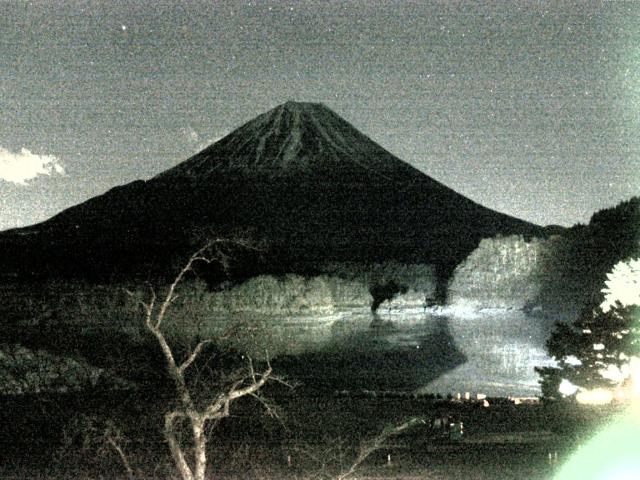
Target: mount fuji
299	178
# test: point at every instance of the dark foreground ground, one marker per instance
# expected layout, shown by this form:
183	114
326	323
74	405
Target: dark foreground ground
317	436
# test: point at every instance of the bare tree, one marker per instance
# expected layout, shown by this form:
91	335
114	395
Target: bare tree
196	414
370	446
96	437
329	456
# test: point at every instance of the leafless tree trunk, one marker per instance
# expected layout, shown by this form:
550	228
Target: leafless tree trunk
217	407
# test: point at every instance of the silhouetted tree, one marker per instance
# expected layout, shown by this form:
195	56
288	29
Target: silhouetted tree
594	343
596	350
385	291
580	261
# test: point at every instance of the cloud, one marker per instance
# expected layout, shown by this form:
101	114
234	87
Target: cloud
197	140
20	167
190	134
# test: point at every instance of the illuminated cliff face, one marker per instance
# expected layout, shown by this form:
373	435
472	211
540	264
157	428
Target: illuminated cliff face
502	272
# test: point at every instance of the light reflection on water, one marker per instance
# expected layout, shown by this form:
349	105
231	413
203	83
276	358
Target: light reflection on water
407	349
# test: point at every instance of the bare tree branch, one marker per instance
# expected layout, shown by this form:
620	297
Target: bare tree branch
241	392
123	458
146	306
247	385
197	256
269	408
194	355
371	446
282	381
252	372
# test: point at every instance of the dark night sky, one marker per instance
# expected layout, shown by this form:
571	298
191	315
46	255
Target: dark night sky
530	108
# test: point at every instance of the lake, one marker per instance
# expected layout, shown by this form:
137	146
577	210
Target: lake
437	350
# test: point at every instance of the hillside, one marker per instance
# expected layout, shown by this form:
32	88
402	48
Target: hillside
561	274
503	272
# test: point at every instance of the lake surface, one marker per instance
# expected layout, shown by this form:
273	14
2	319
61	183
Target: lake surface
408	349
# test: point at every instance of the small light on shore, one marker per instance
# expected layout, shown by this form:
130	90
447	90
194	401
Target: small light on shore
598	396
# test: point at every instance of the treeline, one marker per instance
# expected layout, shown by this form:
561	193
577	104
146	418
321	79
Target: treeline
580	261
337	285
503	272
559	275
400	285
290	294
102	324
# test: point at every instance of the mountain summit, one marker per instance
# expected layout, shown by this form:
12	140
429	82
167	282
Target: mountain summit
298	177
294	139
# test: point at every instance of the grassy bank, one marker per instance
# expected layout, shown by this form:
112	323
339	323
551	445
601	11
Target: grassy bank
316	436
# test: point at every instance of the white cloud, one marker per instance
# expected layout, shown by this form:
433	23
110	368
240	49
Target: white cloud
23	166
190	134
198	141
208	142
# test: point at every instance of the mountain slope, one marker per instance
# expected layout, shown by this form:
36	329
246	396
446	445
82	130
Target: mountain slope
299	177
296	139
